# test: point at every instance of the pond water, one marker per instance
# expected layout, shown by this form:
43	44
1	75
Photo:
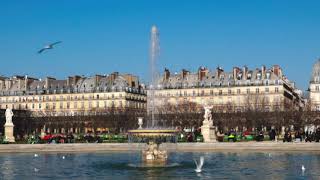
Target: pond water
218	165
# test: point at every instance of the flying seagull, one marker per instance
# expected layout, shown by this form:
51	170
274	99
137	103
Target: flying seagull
50	46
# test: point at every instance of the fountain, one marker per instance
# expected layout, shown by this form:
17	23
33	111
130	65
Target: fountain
153	133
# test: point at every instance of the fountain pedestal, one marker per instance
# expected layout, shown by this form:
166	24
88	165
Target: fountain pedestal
8	131
153	156
208	132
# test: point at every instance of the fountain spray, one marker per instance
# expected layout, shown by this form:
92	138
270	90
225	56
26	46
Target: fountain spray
154	56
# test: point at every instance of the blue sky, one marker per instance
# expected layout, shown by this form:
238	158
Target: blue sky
100	37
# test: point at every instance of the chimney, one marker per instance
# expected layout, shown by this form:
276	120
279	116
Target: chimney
235	72
47	81
26	82
97	78
2	84
218	72
263	72
202	73
20	83
184	73
166	74
114	75
69	81
277	70
8	83
244	72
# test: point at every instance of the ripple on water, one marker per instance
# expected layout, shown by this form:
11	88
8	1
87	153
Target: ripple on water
180	165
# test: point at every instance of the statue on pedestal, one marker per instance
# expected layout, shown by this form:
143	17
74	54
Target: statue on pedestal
208	115
207	129
8	126
9	115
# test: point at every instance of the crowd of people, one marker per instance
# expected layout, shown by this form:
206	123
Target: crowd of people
300	135
231	135
259	135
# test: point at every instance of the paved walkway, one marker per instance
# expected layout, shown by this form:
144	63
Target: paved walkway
238	146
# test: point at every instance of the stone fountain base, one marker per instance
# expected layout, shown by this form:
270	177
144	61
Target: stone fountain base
153	155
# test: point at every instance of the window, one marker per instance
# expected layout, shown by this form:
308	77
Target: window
194	93
238	91
276	89
185	93
53	105
97	96
39	105
90	104
47	105
75	105
248	91
211	92
82	104
267	90
220	92
317	88
267	109
202	93
61	105
257	90
68	105
229	91
97	104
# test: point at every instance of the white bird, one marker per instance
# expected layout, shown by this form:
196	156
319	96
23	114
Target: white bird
303	168
63	157
36	170
49	46
199	166
36	155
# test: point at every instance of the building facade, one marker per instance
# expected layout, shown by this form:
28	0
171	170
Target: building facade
76	95
314	97
239	90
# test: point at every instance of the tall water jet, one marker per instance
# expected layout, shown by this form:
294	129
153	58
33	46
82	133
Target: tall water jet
154	55
153	133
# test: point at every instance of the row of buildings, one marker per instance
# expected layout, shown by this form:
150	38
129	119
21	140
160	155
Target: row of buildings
241	89
76	95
